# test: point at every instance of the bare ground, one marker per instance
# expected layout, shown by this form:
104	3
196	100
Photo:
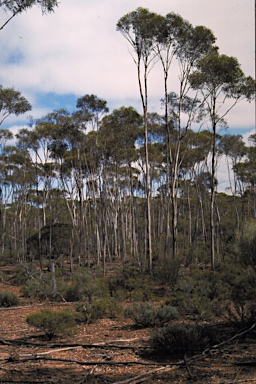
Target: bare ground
110	351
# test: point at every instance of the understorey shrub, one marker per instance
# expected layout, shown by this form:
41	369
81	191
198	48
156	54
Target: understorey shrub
200	293
8	299
86	287
241	314
53	323
132	281
246	244
90	312
181	339
146	315
45	287
120	295
24	272
241	308
167	272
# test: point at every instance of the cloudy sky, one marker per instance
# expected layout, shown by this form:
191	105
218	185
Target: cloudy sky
57	58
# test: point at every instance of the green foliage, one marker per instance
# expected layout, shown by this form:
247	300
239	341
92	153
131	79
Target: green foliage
12	102
131	280
90	312
167	271
53	323
199	293
16	6
8	299
247	244
241	314
181	339
59	235
120	294
86	287
146	315
45	287
241	309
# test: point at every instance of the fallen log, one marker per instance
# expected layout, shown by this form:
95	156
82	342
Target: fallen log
16	359
21	342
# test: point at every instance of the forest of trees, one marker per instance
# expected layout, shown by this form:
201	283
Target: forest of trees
92	186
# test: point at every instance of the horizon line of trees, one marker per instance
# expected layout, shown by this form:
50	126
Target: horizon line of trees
69	194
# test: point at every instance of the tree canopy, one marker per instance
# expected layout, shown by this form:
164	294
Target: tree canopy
18	6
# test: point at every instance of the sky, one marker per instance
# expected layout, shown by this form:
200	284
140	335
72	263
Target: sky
55	59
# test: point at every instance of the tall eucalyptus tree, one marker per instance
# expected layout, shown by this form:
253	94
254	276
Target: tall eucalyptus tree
138	29
119	132
218	78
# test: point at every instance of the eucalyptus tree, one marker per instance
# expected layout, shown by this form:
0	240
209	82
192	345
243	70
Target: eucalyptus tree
5	136
218	78
16	7
36	140
12	103
20	176
91	109
119	133
167	30
138	29
193	43
234	149
245	172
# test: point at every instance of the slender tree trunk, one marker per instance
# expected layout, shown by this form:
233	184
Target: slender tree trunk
144	99
212	199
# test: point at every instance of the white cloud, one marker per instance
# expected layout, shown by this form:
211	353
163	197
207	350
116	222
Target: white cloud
77	49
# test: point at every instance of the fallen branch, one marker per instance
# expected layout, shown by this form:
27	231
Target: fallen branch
58	304
164	367
21	342
211	349
239	381
11	359
48	352
144	376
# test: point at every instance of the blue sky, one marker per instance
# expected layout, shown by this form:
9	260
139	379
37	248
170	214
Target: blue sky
55	59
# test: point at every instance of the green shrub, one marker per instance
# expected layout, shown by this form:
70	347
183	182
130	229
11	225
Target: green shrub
85	287
146	315
120	294
241	314
90	312
8	299
246	244
241	308
133	283
53	323
200	293
181	339
167	272
45	287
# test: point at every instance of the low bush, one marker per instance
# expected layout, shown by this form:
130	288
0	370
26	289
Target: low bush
146	315
181	339
240	310
45	287
241	314
132	281
8	299
86	287
200	293
90	312
53	323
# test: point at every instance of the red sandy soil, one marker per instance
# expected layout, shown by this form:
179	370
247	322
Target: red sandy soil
17	364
